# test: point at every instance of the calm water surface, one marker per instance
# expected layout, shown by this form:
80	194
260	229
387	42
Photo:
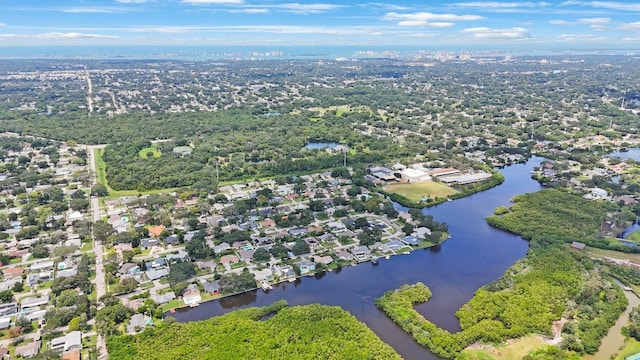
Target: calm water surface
475	255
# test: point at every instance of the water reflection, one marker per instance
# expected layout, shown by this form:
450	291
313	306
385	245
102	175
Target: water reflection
475	255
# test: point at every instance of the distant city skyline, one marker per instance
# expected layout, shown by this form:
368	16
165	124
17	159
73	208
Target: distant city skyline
522	24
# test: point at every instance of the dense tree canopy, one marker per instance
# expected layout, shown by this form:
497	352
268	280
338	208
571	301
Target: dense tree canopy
304	332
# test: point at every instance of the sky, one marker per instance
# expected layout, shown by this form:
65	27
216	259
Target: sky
572	24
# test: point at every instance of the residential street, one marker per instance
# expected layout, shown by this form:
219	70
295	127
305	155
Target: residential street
97	246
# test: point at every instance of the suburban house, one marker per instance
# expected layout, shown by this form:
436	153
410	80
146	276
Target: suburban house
155	231
191	295
129	269
361	252
228	260
13	272
27	304
306	266
71	341
28	350
212	288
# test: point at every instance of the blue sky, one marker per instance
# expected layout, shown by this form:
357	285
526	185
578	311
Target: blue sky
552	24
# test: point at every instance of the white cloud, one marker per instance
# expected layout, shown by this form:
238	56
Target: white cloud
595	21
58	36
207	2
388	7
427	16
306	8
582	37
132	1
631	26
95	10
421	23
611	5
250	11
276	29
3	24
427	19
500	5
561	22
489	33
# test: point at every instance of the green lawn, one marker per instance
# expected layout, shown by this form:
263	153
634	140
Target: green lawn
599	253
631	346
515	349
417	191
152	149
635	236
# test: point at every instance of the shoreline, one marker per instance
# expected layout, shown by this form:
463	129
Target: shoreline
299	278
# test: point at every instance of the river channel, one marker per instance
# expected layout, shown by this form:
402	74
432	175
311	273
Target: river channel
475	255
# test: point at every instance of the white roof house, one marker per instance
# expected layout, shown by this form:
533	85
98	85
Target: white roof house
71	341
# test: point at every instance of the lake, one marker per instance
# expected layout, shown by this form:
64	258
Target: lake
475	255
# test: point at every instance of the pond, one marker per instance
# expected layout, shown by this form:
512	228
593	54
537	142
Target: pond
321	145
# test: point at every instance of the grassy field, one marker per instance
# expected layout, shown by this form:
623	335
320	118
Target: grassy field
613	254
416	191
635	236
515	349
151	149
116	194
101	167
631	346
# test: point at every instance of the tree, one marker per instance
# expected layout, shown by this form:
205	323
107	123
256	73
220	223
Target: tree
6	296
40	251
99	190
261	254
109	317
79	204
279	251
181	271
126	286
233	283
24	323
102	231
78	194
18	287
300	247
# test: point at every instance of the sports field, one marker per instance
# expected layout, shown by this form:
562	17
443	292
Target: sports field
417	191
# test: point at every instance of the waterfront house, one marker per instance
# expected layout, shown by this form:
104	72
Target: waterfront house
212	288
323	260
344	256
361	252
395	245
306	266
411	240
264	275
163	298
191	295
